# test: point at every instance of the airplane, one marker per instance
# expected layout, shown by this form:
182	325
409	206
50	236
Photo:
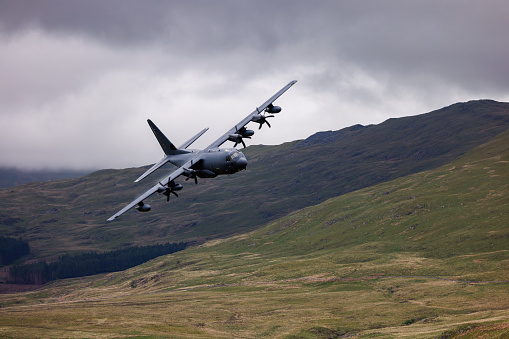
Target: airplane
207	163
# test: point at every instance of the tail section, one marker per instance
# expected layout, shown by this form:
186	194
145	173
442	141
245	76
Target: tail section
166	145
169	149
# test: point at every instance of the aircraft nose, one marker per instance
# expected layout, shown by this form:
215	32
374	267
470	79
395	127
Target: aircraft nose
241	163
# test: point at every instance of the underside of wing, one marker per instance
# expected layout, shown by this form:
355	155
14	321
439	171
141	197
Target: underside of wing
137	201
164	186
259	115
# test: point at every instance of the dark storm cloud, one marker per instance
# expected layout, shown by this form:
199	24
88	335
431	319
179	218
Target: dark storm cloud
461	41
71	67
112	20
202	25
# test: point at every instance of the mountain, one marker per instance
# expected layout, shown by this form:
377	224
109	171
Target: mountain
11	177
69	215
421	256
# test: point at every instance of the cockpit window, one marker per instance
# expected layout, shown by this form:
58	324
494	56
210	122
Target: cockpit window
235	155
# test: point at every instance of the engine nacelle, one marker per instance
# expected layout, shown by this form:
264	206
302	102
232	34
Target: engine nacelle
273	109
171	188
142	207
205	173
176	187
246	133
235	137
257	118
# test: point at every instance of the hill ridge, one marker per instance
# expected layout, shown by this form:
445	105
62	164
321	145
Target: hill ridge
422	256
69	215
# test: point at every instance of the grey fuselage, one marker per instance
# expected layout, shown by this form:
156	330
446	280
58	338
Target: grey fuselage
214	162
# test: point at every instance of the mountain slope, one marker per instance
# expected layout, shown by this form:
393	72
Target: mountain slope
69	215
419	256
460	208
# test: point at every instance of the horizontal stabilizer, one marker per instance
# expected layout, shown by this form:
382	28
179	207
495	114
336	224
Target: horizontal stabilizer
152	169
193	139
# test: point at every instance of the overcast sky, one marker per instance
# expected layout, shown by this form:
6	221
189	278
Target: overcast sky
78	79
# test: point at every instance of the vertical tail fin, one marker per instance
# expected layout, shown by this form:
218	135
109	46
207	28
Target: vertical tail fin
168	148
166	145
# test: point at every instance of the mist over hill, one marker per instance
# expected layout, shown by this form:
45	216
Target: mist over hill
70	215
11	177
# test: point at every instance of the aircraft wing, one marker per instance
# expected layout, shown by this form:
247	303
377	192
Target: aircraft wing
175	174
247	119
156	166
136	201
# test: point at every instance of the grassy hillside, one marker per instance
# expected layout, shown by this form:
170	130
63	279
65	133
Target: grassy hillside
421	256
70	215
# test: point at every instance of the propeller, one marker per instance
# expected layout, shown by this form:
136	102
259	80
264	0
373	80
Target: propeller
191	174
170	188
242	142
239	136
261	119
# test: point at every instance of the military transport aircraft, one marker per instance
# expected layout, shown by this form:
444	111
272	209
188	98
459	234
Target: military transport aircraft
207	163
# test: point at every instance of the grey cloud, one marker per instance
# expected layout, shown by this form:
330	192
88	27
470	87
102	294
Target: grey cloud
106	66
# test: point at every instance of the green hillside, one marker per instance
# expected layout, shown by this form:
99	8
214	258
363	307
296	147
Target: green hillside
422	256
70	215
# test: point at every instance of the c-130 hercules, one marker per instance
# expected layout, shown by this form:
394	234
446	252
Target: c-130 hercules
207	163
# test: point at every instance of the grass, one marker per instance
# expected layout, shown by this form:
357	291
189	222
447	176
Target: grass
424	256
276	309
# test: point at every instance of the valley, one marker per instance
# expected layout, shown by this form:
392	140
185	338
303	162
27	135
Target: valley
423	255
